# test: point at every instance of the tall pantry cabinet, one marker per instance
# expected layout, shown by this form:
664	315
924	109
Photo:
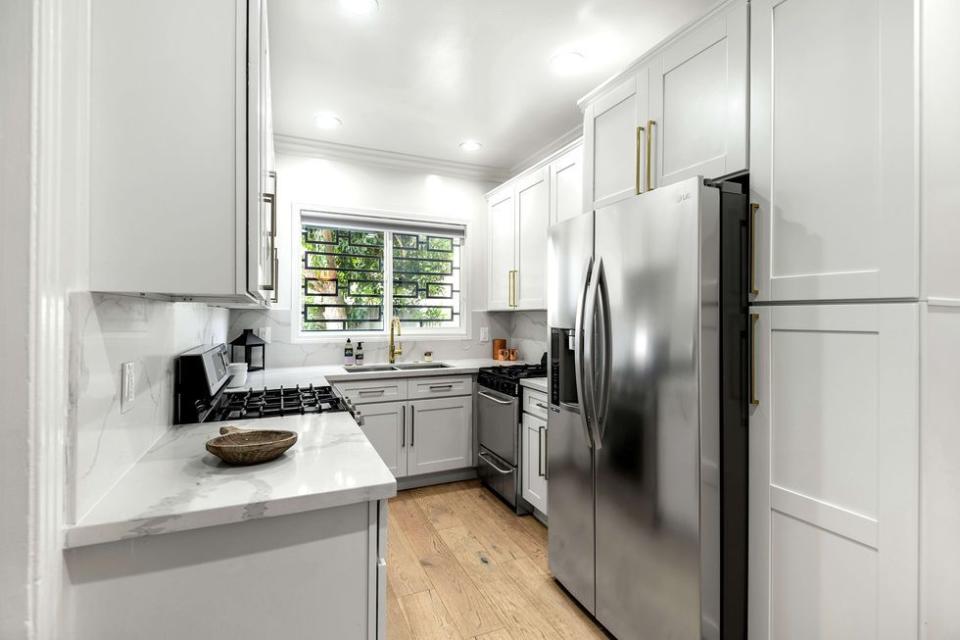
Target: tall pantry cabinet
857	304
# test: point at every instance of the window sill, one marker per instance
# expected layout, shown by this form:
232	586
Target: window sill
380	338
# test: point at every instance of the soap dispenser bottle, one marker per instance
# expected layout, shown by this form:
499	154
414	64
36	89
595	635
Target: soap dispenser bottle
348	358
358	354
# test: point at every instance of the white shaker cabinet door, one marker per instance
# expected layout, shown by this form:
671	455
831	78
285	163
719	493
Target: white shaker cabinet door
533	211
832	149
613	145
439	435
834	442
501	244
384	424
698	98
535	461
566	186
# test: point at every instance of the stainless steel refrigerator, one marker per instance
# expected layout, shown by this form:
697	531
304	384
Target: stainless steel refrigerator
646	433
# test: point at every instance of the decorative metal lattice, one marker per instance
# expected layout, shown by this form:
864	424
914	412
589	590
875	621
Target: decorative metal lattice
343	279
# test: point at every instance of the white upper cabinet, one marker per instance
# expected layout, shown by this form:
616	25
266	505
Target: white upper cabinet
698	96
533	211
501	245
566	185
177	150
832	149
614	153
680	111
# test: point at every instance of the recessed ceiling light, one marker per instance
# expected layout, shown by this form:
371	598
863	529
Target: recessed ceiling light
568	63
360	7
327	121
470	145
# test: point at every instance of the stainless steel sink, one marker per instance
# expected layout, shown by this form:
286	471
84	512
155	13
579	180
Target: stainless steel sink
407	366
367	368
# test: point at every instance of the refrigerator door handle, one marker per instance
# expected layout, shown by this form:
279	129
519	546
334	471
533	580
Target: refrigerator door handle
604	351
578	355
589	354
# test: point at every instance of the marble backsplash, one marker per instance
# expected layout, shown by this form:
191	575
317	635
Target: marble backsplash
524	330
106	331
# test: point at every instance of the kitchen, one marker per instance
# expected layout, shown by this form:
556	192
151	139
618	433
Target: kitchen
651	309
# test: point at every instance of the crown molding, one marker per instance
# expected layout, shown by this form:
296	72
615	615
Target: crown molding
548	151
307	147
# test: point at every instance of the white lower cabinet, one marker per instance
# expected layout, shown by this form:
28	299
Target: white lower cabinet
425	430
384	425
535	461
439	435
834	477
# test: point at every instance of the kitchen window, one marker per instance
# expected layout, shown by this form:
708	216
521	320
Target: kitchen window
359	272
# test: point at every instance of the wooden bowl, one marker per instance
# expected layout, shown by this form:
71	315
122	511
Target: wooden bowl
250	446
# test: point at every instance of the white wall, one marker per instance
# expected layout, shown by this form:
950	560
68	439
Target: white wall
333	183
16	27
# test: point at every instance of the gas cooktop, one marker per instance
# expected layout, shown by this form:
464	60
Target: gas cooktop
506	378
264	403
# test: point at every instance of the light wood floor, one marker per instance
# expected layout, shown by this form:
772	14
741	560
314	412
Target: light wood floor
462	566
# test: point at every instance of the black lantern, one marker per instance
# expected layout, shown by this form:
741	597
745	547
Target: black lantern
250	342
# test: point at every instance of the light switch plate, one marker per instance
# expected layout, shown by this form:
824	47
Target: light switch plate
484	334
128	386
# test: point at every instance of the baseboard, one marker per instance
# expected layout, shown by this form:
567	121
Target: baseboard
441	477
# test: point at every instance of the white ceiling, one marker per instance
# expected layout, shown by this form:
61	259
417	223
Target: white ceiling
420	76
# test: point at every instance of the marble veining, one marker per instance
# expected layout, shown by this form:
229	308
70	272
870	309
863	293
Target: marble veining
178	486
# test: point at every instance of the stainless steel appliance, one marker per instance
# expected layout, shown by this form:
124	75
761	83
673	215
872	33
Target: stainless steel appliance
201	394
647	421
498	428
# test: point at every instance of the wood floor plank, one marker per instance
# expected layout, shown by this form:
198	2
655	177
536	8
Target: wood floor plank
518	610
397	626
485	569
427	617
404	571
556	606
471	612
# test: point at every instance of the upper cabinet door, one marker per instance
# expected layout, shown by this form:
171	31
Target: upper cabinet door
533	209
566	185
613	146
501	240
698	98
832	139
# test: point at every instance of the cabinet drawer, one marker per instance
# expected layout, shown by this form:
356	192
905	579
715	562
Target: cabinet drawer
535	402
440	387
363	392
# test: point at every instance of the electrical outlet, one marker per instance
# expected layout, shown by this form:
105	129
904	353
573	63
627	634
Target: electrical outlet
264	333
484	334
128	386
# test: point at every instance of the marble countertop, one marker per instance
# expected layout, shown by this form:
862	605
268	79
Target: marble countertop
540	384
328	374
178	486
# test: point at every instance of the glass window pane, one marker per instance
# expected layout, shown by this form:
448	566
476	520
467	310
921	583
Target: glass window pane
426	280
342	283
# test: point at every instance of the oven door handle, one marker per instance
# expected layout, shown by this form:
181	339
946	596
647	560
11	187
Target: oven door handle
497	400
490	461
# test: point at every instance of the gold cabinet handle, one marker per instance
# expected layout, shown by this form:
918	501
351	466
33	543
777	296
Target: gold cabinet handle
754	291
650	124
754	319
513	287
639	151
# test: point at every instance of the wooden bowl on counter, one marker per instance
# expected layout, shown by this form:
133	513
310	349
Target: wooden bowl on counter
242	447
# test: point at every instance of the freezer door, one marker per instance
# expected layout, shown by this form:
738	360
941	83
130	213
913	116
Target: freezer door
570	504
569	249
648	465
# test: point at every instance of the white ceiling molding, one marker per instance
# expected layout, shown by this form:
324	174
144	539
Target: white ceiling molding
293	145
547	150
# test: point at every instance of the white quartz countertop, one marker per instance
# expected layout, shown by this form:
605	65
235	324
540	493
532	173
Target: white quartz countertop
540	384
329	374
178	486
